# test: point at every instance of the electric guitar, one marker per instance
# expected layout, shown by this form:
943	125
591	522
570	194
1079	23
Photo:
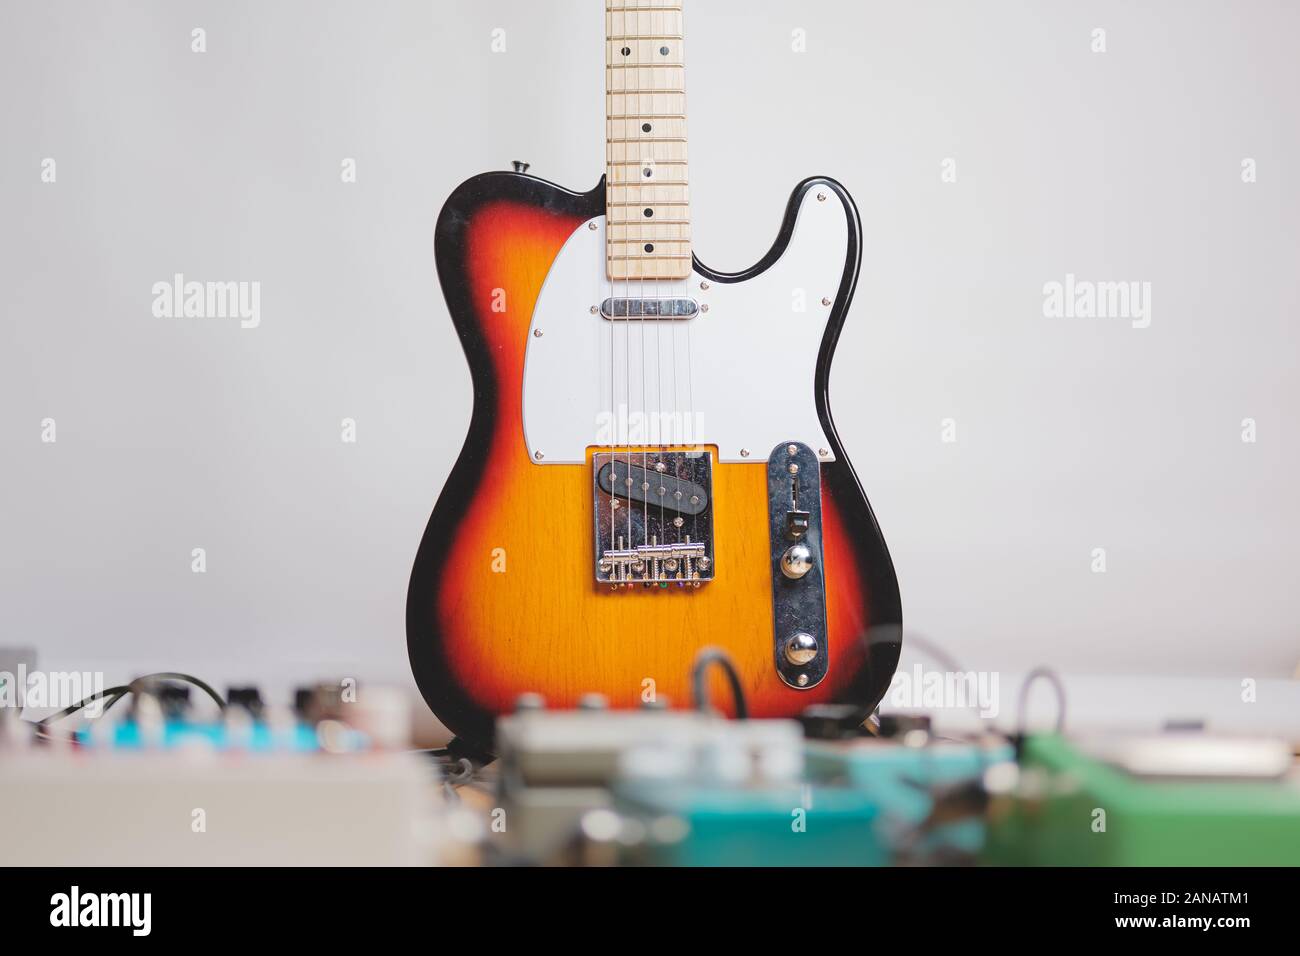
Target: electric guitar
651	467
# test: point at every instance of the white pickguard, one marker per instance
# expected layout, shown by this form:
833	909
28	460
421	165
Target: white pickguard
739	375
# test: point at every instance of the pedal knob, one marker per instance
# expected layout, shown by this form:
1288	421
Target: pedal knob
797	561
529	701
800	649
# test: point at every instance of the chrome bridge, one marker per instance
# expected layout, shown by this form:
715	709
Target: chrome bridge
653	517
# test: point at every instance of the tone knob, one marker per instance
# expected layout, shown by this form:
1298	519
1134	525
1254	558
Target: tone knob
800	649
797	561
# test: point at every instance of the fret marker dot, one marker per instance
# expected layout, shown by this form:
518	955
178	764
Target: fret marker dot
647	172
663	50
649	247
645	127
626	51
649	213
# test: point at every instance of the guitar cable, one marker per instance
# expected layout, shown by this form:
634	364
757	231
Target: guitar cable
45	732
699	686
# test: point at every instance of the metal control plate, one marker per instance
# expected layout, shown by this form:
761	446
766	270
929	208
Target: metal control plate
794	505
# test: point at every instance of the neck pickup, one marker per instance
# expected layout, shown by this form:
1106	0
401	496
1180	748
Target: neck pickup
649	309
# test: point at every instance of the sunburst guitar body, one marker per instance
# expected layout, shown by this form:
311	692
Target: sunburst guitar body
651	468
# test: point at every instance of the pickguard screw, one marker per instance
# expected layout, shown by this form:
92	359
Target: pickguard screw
677	523
821	197
537	333
825	301
704	285
538	455
824	453
591	226
660	467
744	453
704	307
594	310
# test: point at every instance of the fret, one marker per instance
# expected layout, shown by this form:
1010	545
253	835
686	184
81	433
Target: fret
648	227
647	79
633	65
640	24
646	138
632	176
659	212
632	214
654	103
654	150
644	50
633	129
648	231
641	194
649	267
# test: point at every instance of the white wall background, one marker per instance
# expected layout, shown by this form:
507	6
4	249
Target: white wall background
1072	434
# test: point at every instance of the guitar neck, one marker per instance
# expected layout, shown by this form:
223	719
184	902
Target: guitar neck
648	233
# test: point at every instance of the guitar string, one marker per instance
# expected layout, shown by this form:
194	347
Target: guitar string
634	57
674	416
682	418
658	355
637	46
646	141
691	430
627	336
607	274
649	163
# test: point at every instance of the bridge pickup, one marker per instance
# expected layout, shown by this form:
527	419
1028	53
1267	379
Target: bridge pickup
644	484
649	308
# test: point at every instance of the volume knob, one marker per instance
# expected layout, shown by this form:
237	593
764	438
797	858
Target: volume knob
800	649
797	561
